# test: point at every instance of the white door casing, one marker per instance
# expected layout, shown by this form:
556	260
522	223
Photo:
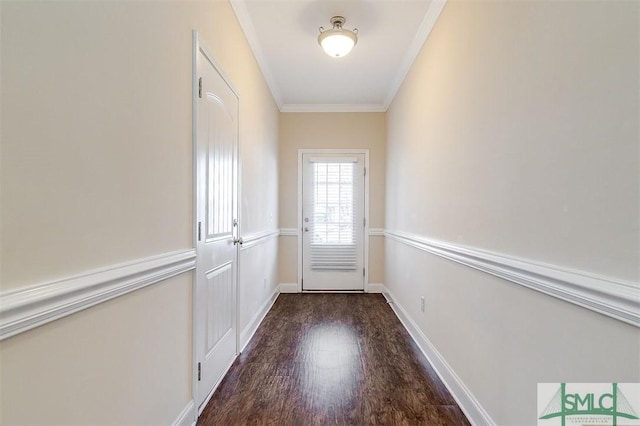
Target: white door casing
333	215
216	171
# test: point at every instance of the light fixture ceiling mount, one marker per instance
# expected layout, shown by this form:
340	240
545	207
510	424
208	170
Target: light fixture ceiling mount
337	42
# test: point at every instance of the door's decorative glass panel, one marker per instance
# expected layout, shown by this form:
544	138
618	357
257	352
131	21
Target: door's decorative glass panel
333	239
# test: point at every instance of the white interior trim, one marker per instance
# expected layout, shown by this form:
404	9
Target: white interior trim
197	47
426	26
333	160
254	239
187	417
288	232
376	288
333	108
475	413
293	232
613	297
289	288
376	232
429	21
345	151
215	386
241	12
28	307
256	320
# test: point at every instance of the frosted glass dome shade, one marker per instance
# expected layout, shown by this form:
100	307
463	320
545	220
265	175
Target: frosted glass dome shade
337	41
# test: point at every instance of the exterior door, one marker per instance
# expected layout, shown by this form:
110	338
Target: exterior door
333	221
216	214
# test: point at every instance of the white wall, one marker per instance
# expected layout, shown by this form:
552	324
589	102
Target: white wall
516	131
96	170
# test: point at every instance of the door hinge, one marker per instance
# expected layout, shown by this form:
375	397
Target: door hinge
200	87
199	372
363	272
364	221
365	171
199	231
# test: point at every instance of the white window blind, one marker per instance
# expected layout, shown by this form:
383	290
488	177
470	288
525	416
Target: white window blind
333	239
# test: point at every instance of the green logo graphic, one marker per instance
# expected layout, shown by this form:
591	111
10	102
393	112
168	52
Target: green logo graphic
613	404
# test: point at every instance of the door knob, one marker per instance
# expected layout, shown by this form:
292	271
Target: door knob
306	229
238	241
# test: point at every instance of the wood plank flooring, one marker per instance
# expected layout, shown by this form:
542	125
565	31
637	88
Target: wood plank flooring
322	359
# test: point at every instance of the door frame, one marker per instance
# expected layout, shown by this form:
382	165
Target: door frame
197	47
343	151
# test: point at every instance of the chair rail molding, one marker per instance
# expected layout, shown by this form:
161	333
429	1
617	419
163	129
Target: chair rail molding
25	308
256	238
376	232
288	232
610	296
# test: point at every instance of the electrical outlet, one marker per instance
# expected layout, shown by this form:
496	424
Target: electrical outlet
422	303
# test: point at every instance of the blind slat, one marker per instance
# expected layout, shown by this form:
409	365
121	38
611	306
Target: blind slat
333	237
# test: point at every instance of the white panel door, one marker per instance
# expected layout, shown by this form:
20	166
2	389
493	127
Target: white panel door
216	269
333	213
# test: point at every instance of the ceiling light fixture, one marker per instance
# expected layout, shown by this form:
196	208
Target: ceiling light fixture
337	42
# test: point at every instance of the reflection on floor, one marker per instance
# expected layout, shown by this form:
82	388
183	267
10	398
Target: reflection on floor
331	359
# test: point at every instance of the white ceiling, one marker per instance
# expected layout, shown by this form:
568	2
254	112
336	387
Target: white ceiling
283	35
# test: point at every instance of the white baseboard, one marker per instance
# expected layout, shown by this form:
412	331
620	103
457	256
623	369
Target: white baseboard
187	417
245	338
375	288
250	329
463	396
215	386
293	288
288	288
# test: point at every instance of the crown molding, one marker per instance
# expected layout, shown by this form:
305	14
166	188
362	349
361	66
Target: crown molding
333	108
242	13
429	21
433	12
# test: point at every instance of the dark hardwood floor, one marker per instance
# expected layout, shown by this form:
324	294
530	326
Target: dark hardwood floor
331	359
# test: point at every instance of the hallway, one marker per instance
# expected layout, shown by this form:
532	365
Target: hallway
331	359
501	211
